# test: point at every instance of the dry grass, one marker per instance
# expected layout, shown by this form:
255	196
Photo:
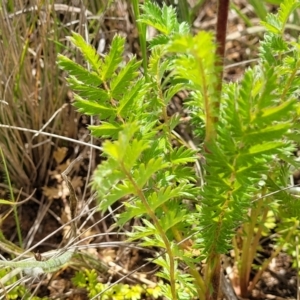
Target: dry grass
33	90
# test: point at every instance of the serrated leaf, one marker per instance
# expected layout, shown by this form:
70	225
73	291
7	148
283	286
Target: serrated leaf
83	75
116	193
265	148
274	113
144	172
169	17
184	174
272	24
157	199
128	100
134	211
125	150
120	83
89	53
106	130
152	16
174	120
182	155
113	58
89	92
159	40
143	231
174	89
172	218
134	150
287	7
268	133
92	108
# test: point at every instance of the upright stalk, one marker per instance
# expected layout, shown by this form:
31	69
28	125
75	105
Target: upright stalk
213	108
213	271
223	8
142	34
12	198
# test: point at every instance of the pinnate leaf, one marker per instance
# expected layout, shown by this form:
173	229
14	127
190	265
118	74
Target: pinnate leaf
89	53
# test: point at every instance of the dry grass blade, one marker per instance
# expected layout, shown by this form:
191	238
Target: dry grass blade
32	90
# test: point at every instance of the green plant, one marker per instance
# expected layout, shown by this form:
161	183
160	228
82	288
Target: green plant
248	134
185	11
16	291
11	196
88	280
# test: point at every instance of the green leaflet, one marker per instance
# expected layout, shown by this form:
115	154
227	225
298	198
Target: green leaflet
82	74
92	108
113	58
89	53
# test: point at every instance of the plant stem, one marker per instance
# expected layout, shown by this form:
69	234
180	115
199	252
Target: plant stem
213	107
249	247
274	254
200	286
212	276
199	282
223	7
159	229
142	34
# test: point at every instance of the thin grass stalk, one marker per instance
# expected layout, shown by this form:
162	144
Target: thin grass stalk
12	198
259	8
184	11
33	91
241	14
142	35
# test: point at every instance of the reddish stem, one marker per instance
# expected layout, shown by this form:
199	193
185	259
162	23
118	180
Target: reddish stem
223	8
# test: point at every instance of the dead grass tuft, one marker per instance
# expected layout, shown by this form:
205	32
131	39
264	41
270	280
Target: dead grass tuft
32	90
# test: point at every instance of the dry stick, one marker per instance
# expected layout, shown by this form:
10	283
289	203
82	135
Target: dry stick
57	7
51	253
10	287
52	135
44	208
72	197
50	120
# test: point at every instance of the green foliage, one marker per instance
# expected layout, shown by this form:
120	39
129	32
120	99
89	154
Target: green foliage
19	291
164	20
6	175
87	279
247	139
